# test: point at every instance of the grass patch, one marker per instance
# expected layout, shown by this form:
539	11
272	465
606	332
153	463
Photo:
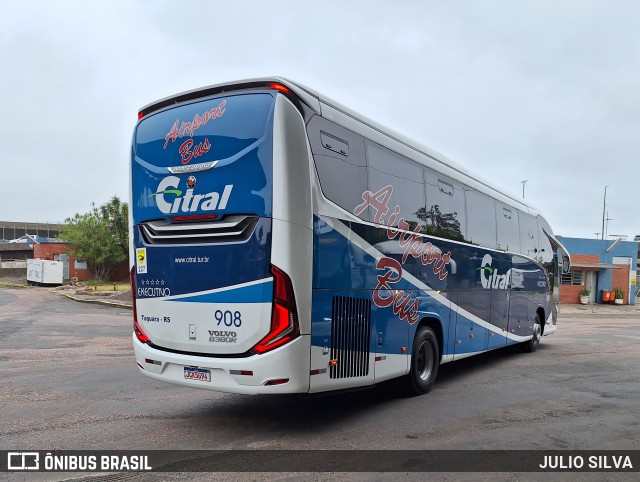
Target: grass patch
106	286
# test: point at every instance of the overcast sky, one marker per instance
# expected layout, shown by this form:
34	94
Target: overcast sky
543	91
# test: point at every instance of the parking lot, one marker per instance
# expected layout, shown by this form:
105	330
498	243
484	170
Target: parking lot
70	382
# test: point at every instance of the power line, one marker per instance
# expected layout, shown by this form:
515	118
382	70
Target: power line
623	209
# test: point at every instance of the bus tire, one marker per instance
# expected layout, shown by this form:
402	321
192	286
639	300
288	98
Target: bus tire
532	345
425	360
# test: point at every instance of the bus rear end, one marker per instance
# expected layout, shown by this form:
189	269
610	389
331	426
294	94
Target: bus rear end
214	286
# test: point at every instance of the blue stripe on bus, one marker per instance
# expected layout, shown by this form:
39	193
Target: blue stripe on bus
256	293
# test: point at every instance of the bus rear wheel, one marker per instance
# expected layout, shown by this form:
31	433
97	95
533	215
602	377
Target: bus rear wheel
425	360
533	344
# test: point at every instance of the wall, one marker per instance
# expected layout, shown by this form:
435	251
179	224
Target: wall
48	250
620	277
13	273
570	294
15	251
121	273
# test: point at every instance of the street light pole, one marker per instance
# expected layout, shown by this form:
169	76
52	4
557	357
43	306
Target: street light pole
523	183
604	207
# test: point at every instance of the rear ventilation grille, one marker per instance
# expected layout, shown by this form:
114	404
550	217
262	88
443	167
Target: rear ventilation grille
229	230
350	336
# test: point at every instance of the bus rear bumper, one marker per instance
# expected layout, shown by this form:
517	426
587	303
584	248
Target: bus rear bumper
249	375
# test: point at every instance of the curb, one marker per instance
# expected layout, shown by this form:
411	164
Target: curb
599	310
114	304
11	285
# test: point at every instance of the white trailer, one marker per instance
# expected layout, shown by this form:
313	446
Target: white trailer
40	271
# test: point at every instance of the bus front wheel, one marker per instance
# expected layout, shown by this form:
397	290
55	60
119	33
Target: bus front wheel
425	359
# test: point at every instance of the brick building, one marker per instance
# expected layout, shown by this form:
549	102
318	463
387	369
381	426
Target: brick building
599	265
58	251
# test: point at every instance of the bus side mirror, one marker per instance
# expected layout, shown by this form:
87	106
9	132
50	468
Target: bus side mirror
566	265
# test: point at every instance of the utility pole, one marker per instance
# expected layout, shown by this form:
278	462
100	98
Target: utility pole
607	226
604	207
523	183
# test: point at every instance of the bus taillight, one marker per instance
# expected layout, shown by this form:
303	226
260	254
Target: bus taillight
141	335
280	87
284	317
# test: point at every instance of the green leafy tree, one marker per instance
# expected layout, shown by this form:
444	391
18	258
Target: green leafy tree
116	215
100	237
441	224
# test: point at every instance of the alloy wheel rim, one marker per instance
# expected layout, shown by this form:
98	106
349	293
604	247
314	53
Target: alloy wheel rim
425	361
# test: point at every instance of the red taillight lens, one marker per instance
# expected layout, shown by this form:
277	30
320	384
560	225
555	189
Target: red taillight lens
284	316
140	115
280	88
141	335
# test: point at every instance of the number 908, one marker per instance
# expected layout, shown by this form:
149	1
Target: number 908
228	318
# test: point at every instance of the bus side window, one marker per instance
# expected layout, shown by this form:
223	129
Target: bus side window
340	163
386	168
445	213
528	235
508	228
481	219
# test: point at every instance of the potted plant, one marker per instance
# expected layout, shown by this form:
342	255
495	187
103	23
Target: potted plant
584	296
619	295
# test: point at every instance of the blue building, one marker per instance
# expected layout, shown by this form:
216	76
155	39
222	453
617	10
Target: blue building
599	265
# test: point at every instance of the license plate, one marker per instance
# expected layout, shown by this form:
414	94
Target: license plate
197	374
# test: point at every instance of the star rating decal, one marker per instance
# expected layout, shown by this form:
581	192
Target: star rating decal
152	282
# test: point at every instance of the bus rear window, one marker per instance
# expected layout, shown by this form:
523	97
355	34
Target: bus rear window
209	157
200	131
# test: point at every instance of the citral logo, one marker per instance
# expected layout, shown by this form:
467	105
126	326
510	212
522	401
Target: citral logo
489	277
190	202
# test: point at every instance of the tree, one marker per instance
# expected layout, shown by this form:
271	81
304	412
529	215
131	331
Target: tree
441	224
116	215
100	237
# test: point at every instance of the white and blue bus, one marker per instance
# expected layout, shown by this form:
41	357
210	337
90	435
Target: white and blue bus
281	243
